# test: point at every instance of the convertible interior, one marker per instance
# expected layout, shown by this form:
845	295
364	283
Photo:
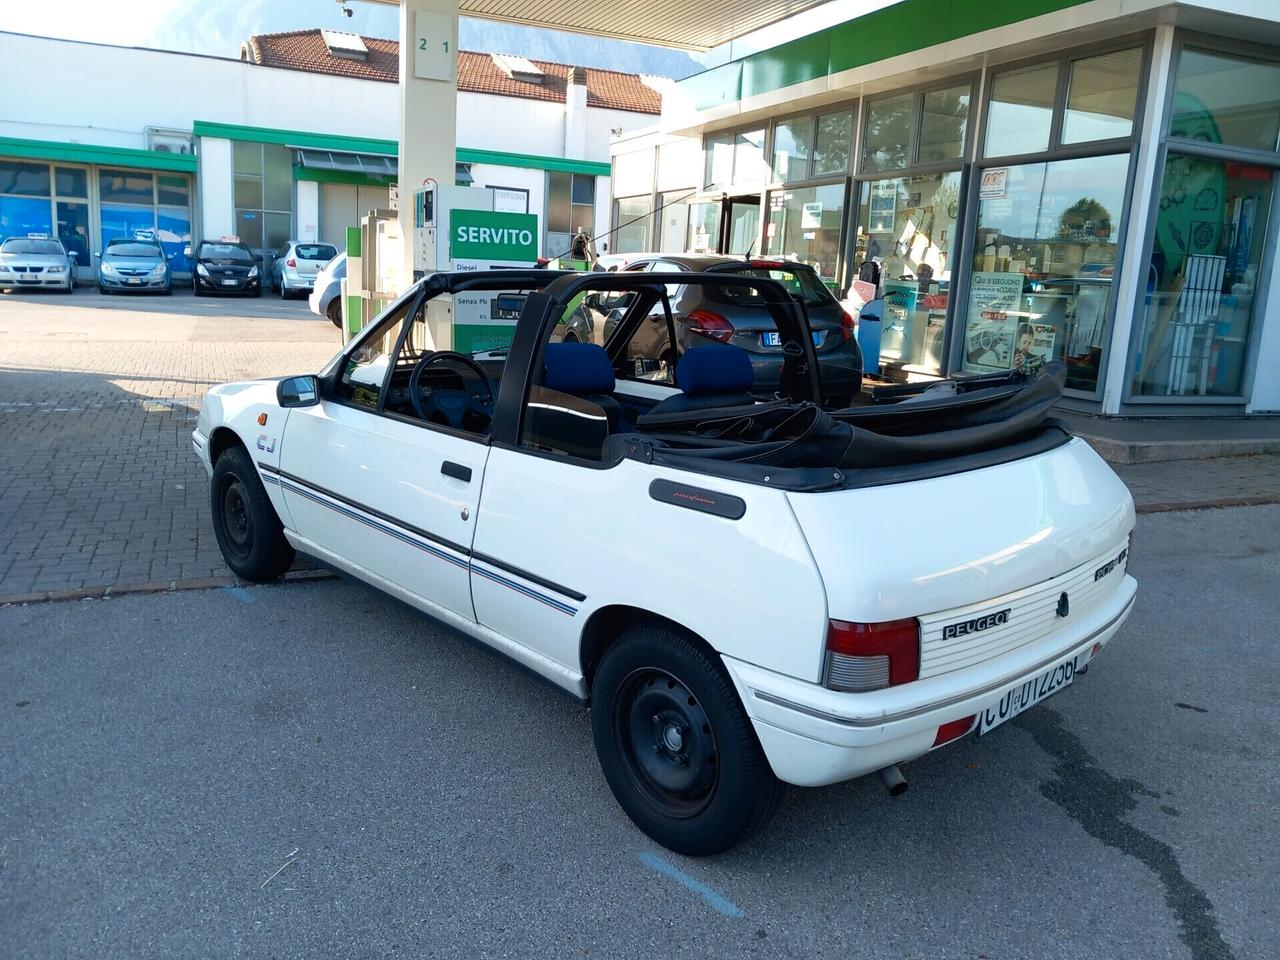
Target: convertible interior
598	397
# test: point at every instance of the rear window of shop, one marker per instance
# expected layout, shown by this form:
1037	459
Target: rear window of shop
802	284
316	251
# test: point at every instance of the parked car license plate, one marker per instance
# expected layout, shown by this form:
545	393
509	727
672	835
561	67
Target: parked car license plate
228	283
133	280
1027	695
774	339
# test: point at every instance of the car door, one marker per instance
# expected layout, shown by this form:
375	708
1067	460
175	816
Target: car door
391	498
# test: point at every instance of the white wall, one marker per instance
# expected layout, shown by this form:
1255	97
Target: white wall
510	124
183	88
217	204
189	88
306	210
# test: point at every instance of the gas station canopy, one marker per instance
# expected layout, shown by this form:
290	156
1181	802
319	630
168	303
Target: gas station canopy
668	23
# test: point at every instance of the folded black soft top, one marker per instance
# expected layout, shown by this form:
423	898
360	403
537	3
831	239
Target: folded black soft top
801	436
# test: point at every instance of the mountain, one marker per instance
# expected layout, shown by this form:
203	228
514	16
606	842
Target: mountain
218	27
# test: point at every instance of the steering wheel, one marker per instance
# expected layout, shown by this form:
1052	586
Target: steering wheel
449	403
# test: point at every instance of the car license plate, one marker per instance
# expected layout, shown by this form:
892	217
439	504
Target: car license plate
774	339
134	281
228	283
1027	695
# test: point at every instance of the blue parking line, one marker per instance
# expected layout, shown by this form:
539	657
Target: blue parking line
239	594
717	902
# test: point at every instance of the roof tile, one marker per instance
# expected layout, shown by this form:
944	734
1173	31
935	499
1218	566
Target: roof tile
477	73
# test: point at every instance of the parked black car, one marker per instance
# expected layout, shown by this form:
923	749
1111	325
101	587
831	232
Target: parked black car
731	313
225	266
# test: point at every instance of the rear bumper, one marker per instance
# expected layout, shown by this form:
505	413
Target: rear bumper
814	736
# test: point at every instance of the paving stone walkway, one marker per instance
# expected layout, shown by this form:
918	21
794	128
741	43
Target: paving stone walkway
100	490
97	403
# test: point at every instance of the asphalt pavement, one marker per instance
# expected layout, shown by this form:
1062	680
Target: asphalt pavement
310	770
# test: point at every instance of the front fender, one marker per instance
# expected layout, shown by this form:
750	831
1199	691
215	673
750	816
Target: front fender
246	413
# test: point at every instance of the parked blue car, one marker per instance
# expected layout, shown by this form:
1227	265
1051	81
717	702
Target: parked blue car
134	264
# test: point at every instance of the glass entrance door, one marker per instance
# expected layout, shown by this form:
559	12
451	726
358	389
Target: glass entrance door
741	226
73	231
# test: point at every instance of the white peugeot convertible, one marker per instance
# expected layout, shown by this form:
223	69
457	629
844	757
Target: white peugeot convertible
747	589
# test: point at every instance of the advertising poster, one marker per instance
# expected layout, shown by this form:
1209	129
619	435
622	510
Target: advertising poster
995	184
811	216
884	206
1033	346
995	300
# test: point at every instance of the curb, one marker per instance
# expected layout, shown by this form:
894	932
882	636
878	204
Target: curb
1178	506
160	586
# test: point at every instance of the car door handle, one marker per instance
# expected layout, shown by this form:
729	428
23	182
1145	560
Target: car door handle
456	470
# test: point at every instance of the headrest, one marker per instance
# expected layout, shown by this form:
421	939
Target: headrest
577	368
703	371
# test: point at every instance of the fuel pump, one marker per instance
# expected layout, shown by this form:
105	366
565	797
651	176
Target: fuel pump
457	229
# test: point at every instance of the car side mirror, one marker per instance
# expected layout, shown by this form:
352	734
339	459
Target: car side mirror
73	255
298	391
186	251
97	253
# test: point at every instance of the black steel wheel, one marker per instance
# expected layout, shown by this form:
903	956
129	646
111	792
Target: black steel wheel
670	747
675	744
249	532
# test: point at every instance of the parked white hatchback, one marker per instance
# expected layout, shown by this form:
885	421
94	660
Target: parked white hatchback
746	593
295	265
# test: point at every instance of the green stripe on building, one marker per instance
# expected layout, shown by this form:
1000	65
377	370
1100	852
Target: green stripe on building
318	175
388	148
530	161
904	27
296	138
104	156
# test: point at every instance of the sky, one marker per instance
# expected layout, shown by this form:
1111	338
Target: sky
218	27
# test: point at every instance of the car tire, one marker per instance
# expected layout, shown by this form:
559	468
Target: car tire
694	777
249	532
334	312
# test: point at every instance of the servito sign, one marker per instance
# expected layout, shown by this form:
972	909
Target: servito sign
489	237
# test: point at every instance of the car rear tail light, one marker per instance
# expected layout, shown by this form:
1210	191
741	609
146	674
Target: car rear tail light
871	656
846	325
767	264
291	262
954	730
710	325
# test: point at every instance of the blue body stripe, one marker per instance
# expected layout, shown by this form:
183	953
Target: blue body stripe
431	549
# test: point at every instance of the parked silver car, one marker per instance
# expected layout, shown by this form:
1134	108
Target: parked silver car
296	266
36	262
326	295
134	264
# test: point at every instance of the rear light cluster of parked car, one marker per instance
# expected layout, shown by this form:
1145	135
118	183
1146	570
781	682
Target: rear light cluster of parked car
872	656
710	324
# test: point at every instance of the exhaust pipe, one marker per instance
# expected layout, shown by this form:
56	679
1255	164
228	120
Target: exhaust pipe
893	781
